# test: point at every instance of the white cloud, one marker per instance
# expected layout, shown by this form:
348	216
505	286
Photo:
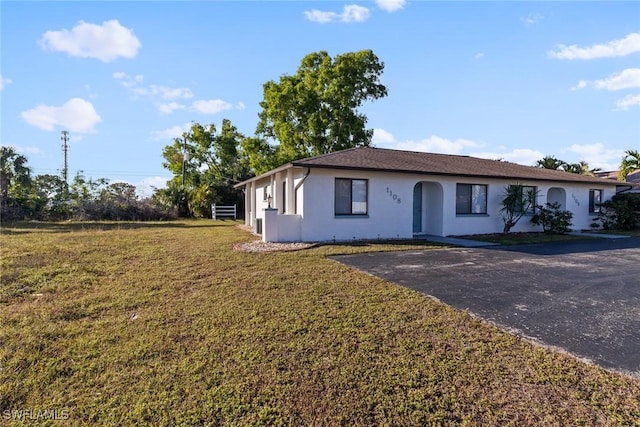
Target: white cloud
76	115
214	106
597	156
532	19
159	93
105	42
355	13
127	80
350	13
4	81
164	92
522	156
391	5
629	78
581	85
381	136
170	107
171	133
432	144
479	55
622	47
628	102
29	150
211	106
146	186
320	16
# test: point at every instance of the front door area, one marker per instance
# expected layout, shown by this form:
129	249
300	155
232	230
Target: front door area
427	208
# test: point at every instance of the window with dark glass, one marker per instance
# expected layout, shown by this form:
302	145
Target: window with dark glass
595	199
471	199
351	196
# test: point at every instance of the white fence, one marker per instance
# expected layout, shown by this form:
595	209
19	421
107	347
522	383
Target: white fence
218	212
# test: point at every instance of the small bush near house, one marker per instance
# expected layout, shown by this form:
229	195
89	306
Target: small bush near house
552	219
622	212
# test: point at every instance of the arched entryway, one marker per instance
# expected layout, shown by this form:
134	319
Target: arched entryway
557	195
427	208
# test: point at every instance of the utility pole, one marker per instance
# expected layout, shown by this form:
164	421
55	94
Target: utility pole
65	149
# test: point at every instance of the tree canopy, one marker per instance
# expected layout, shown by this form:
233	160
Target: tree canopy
205	165
49	197
315	111
550	162
581	168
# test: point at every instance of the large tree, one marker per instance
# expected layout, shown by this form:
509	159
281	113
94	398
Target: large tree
630	162
205	165
315	111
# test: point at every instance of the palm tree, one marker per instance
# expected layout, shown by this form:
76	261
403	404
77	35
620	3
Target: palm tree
630	162
581	168
550	162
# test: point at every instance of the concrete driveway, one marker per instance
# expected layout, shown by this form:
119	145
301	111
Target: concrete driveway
583	297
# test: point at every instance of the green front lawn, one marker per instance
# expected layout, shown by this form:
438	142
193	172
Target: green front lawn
167	324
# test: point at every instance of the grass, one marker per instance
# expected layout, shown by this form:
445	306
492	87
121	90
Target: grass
525	238
632	233
165	324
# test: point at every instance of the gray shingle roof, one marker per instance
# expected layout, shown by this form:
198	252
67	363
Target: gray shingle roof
380	159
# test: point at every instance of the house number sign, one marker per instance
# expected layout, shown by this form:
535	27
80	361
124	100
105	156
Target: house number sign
393	195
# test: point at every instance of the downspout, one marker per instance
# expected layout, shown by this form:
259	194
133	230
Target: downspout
298	185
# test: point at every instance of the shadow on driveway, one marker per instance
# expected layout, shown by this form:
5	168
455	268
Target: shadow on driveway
583	297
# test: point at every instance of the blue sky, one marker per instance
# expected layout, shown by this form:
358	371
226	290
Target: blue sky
510	80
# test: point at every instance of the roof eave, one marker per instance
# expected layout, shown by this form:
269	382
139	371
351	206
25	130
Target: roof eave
591	180
264	175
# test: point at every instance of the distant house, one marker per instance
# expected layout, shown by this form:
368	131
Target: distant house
374	193
630	185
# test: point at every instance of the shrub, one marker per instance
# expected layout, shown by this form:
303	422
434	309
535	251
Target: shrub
553	219
621	212
517	201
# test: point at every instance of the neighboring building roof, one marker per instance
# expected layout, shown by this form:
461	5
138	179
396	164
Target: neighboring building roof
381	159
632	183
634	177
608	175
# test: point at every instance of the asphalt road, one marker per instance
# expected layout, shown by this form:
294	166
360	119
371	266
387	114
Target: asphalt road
583	297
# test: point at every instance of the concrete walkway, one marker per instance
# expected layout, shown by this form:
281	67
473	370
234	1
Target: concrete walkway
465	243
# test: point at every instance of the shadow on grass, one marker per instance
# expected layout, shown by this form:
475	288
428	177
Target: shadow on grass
26	227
